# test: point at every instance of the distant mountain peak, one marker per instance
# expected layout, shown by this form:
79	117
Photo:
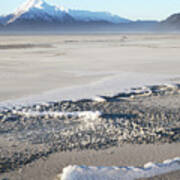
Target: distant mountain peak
33	8
25	7
172	22
39	4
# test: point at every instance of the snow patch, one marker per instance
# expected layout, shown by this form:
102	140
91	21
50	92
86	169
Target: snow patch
99	99
79	114
116	173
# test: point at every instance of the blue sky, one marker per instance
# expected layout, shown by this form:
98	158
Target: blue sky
132	9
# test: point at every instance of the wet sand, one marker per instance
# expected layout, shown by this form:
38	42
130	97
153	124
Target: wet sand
125	155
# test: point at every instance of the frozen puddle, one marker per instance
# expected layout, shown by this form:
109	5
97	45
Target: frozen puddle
116	173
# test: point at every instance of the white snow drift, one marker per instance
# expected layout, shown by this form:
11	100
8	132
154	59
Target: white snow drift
116	173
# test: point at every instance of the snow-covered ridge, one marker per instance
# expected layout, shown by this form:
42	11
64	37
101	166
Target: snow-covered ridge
30	4
116	173
41	5
96	16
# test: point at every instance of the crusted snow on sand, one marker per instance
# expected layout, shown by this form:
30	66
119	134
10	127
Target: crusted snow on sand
84	114
116	173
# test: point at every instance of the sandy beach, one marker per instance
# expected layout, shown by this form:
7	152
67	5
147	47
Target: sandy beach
121	111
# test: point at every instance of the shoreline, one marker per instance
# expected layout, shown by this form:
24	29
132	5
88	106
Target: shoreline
105	86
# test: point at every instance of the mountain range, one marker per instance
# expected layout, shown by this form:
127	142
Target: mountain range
38	11
39	14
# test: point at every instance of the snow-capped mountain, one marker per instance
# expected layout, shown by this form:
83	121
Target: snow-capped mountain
39	11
